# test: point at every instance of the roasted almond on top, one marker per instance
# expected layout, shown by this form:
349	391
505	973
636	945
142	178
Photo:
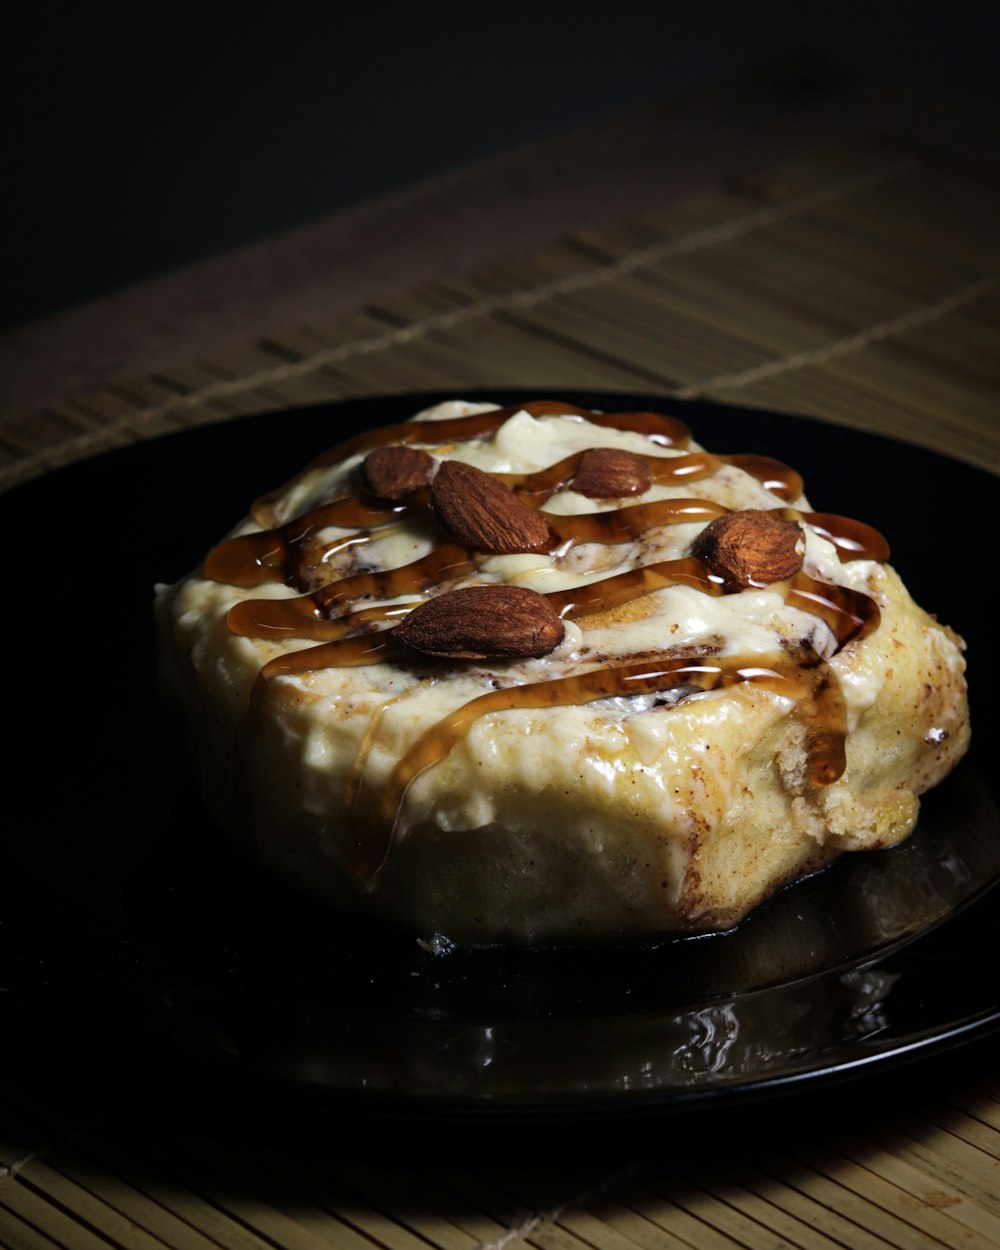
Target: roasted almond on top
483	622
751	548
485	514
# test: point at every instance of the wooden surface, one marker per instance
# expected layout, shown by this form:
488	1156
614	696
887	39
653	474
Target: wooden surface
831	250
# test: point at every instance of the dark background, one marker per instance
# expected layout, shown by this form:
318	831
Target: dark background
142	139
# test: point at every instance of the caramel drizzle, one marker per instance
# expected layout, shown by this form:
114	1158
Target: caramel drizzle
819	705
269	555
622	526
778	478
849	614
354	637
658	428
309	616
854	540
306	616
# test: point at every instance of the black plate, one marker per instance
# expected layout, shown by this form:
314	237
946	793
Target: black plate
129	927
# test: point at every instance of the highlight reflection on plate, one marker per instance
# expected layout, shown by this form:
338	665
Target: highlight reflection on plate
125	918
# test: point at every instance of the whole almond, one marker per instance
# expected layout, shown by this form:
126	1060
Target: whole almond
484	514
607	473
751	548
397	471
484	622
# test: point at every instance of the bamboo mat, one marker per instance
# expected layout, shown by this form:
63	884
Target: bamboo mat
860	287
857	287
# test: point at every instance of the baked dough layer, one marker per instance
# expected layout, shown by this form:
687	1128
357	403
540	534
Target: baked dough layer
608	817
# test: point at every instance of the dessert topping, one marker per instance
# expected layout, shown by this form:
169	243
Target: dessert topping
484	622
353	618
397	471
484	514
751	548
607	473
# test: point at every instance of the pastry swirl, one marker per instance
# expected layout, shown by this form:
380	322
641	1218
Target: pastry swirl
568	676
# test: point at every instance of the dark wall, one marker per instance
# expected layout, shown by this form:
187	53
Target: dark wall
145	138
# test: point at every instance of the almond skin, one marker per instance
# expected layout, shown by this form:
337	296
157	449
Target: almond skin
484	514
484	622
395	472
607	473
751	548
